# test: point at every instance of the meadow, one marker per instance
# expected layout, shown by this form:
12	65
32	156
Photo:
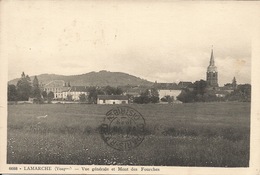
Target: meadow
195	134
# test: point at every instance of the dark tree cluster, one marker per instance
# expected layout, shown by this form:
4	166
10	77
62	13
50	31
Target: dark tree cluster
108	90
25	89
241	93
197	94
148	96
93	93
12	93
200	93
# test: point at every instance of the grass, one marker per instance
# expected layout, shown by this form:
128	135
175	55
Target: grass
198	134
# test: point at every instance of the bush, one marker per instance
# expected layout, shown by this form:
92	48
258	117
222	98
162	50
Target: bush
82	98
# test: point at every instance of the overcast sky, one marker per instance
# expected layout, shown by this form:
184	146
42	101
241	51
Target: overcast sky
164	41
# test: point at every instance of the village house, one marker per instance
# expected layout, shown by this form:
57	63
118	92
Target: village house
63	90
74	92
221	93
171	90
112	99
173	93
57	87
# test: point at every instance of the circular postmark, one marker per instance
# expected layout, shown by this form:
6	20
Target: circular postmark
123	128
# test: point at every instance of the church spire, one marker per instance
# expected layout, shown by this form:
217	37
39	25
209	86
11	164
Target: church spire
212	62
212	72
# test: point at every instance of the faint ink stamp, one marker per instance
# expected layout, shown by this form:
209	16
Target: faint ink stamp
123	128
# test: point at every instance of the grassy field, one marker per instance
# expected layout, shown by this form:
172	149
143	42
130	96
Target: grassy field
199	134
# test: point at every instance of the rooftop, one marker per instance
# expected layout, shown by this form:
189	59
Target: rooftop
112	97
78	89
55	83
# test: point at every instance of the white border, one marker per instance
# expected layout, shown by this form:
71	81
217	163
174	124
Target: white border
255	121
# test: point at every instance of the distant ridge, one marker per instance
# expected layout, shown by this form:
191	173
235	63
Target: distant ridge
101	78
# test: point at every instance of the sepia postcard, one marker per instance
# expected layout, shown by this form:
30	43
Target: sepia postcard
129	87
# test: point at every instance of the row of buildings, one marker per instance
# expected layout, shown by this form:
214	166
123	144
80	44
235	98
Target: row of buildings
62	90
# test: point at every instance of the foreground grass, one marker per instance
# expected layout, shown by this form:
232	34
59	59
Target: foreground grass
200	134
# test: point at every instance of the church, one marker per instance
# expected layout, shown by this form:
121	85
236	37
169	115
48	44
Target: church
212	80
212	73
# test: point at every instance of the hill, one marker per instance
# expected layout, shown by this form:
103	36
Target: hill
101	78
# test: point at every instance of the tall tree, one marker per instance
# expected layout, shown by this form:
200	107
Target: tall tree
154	95
23	75
36	91
35	82
200	87
118	91
82	98
12	93
186	96
50	96
24	87
93	93
234	83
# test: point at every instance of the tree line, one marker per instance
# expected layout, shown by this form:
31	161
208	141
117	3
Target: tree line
25	89
201	93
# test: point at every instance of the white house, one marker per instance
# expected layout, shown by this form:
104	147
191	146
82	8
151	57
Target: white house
75	92
57	87
112	99
221	93
169	92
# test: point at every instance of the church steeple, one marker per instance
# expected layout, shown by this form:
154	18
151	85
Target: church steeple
212	67
212	62
212	72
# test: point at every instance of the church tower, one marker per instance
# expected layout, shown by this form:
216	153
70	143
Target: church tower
212	72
